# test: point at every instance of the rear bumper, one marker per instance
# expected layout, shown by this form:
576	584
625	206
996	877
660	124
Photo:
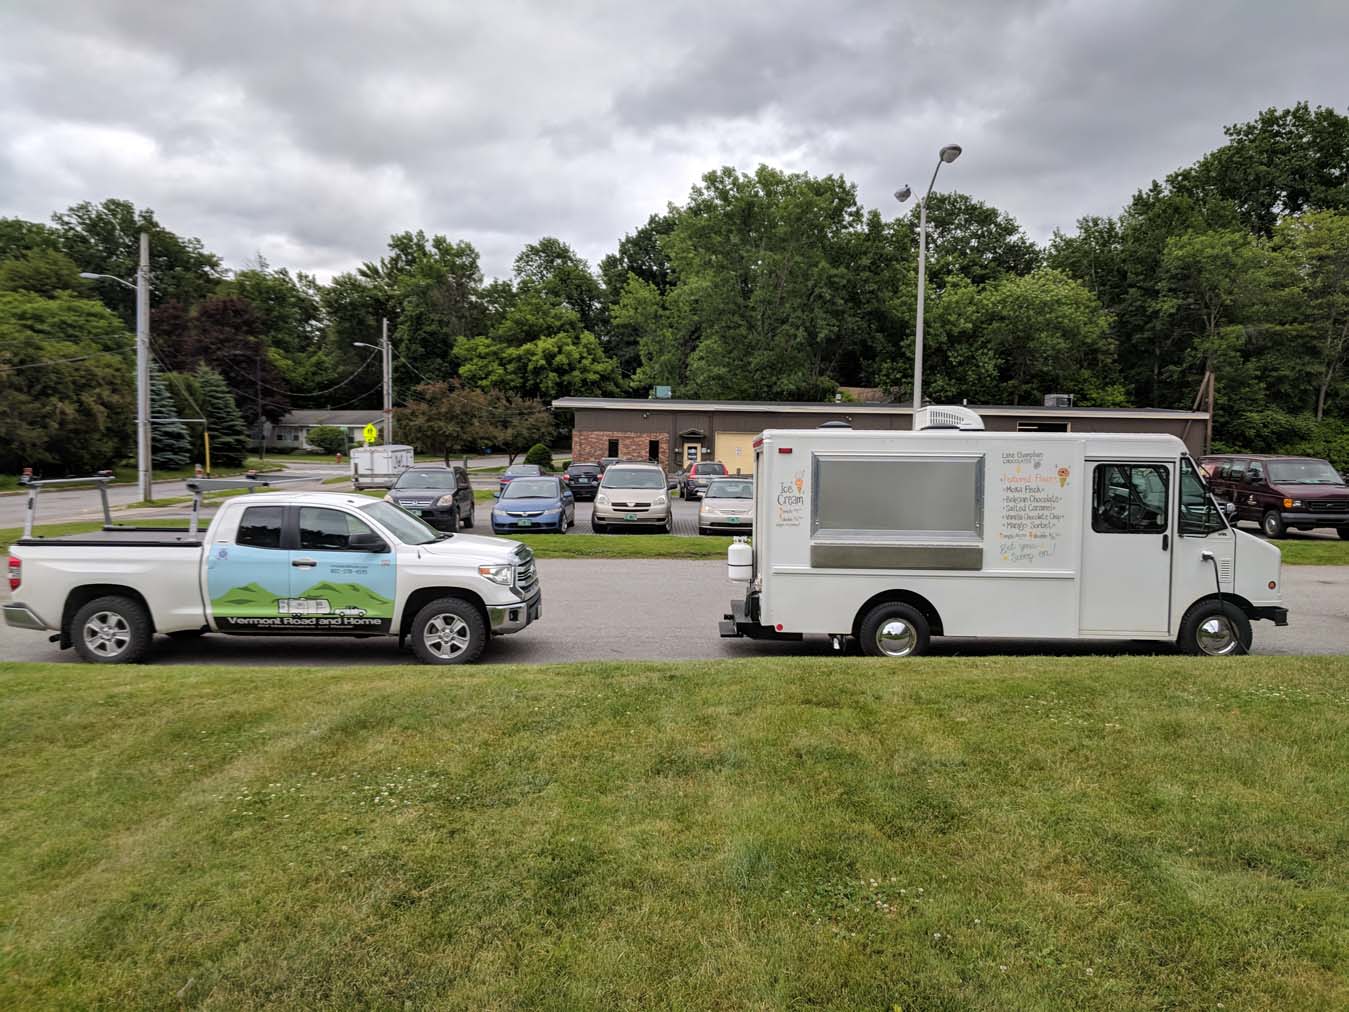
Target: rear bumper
511	618
743	620
1279	616
20	616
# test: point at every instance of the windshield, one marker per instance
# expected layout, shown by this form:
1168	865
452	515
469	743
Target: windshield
730	488
1303	472
633	477
403	526
524	470
531	488
1199	514
425	479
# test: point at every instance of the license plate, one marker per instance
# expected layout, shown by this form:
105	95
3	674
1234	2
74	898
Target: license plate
526	523
629	516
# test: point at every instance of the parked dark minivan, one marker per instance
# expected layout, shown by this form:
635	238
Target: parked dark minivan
583	480
442	496
1280	493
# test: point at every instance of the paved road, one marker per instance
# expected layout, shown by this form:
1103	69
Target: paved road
631	609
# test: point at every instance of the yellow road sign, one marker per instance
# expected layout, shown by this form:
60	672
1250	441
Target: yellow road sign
370	433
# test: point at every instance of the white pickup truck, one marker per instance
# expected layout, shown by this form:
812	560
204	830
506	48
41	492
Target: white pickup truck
276	564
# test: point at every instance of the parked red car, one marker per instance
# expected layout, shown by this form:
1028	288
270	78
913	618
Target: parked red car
1280	493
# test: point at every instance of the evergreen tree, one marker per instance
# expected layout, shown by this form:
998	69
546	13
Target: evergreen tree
170	445
229	436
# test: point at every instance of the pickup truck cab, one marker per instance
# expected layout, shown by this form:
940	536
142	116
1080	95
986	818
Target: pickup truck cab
276	564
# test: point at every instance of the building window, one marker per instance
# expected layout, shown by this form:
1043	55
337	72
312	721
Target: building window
613	448
1129	498
653	450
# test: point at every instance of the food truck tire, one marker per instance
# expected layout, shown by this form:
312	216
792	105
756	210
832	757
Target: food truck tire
894	629
1213	628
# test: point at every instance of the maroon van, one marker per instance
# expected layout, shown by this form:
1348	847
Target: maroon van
1280	493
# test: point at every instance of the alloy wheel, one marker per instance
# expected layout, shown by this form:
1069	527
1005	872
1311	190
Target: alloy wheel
107	633
447	636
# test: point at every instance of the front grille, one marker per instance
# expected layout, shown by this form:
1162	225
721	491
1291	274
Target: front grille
524	513
1331	506
414	502
526	574
633	507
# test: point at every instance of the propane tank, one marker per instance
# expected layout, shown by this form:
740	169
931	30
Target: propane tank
739	561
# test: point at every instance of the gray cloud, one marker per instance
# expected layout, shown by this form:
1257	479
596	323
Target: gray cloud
310	131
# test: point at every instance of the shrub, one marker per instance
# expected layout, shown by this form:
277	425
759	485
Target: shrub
328	438
540	454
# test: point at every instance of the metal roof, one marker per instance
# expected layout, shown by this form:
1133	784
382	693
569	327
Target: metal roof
854	408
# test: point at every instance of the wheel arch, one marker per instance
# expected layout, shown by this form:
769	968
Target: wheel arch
898	596
1241	602
82	595
423	596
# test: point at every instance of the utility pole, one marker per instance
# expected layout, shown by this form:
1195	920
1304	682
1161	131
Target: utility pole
388	384
144	467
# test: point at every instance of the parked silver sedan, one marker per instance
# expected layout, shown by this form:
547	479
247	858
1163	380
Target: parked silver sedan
727	506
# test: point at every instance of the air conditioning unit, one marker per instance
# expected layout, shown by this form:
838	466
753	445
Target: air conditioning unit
1058	400
952	416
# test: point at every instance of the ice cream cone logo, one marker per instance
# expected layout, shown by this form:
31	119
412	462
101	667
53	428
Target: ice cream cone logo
800	483
1063	476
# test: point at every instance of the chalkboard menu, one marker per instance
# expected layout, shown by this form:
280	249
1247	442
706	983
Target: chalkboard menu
1032	525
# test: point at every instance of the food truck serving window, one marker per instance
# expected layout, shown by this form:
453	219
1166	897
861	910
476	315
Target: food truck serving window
894	497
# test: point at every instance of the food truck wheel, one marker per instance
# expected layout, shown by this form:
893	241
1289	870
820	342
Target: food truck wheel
894	630
1216	629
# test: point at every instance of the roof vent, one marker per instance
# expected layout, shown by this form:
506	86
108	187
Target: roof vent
954	416
836	423
1058	400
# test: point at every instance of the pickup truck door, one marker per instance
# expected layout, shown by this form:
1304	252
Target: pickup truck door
337	585
246	579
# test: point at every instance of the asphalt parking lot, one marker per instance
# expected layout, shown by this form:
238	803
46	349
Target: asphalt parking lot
665	609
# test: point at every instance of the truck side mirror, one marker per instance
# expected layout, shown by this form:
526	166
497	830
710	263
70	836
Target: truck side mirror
366	541
1230	508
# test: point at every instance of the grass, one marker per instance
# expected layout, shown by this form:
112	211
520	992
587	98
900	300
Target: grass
1028	833
1314	552
624	546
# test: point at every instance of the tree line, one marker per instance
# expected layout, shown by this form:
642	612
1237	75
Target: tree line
762	285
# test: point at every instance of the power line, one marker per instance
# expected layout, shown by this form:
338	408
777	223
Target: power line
374	389
59	361
319	393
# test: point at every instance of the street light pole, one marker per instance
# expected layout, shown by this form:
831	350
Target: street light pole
386	361
947	154
144	470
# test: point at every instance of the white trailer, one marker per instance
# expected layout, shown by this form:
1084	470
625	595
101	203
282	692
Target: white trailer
891	537
379	466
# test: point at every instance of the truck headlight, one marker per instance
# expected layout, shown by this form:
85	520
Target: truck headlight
1292	504
446	500
503	575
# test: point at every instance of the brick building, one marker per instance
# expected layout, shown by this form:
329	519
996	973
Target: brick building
676	433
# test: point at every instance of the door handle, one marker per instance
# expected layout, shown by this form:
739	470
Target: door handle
304	563
1166	543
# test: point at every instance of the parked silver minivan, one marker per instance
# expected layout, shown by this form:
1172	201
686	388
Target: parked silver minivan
632	495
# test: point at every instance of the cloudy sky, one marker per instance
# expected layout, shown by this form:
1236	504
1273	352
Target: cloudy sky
308	130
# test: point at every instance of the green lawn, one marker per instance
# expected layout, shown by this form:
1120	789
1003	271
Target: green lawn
1308	552
622	546
1002	833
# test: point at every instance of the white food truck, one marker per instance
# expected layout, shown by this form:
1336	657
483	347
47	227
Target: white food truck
379	466
891	537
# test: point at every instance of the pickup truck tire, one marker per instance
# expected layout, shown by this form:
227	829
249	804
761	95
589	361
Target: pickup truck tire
892	629
1272	525
111	630
1214	628
448	631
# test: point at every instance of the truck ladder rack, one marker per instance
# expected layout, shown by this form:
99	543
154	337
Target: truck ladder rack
34	486
199	486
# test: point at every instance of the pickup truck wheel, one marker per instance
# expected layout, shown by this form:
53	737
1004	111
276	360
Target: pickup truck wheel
1272	525
448	631
1215	628
111	630
894	630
